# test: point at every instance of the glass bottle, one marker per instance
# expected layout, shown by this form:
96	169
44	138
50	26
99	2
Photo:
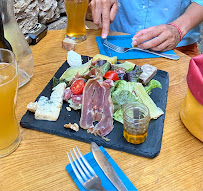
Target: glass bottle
18	43
3	42
135	122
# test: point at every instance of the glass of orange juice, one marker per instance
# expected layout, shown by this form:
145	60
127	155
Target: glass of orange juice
9	129
76	11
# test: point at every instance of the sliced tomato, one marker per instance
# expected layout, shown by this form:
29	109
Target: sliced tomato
112	75
77	87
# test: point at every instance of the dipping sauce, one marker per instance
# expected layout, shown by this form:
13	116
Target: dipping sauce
136	121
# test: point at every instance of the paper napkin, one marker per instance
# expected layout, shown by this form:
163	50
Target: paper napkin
105	181
124	41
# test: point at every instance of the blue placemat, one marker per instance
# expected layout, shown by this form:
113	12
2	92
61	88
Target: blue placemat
124	41
105	181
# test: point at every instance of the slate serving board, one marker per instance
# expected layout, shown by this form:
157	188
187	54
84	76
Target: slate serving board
150	148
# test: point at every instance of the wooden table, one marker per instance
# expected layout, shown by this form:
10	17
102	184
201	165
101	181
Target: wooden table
39	162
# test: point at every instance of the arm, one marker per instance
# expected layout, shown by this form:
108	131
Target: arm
192	17
103	13
167	36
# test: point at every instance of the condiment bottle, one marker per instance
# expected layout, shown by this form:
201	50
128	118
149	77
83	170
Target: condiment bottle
18	43
135	121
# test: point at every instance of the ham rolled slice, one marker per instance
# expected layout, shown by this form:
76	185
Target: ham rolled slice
97	106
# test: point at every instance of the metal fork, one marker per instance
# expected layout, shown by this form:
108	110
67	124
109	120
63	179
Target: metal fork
84	172
123	50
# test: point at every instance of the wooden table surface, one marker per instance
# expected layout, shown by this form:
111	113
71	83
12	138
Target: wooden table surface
39	162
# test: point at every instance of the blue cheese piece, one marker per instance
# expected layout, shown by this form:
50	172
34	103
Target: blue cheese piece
32	106
57	95
49	109
46	110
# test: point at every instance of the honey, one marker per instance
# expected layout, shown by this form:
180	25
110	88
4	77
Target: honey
134	138
135	122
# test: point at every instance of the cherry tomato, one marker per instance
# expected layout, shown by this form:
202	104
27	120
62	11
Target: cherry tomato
77	87
112	75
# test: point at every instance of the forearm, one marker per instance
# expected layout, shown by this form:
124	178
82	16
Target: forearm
190	19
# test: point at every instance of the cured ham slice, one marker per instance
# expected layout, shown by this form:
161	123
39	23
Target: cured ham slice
97	106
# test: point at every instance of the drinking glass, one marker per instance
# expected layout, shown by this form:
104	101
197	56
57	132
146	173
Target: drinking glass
9	129
76	11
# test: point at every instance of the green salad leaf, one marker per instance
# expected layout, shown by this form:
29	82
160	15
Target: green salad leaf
121	94
127	66
152	84
124	92
57	81
105	67
72	71
118	115
154	111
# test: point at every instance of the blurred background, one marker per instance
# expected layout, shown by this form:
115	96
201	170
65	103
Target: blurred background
52	13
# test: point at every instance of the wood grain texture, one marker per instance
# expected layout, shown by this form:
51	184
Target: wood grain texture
39	162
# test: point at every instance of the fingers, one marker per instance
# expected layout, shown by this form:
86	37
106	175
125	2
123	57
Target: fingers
147	36
142	32
103	13
154	42
113	12
164	46
105	18
160	38
96	12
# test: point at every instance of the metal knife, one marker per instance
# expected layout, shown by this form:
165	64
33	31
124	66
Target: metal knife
106	167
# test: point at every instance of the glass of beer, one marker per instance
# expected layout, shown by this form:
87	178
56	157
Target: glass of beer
76	11
9	129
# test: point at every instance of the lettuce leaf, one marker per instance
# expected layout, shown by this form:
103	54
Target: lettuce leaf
122	93
154	111
152	84
128	92
72	71
127	66
118	115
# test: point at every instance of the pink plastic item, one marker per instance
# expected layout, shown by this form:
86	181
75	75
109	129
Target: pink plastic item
195	77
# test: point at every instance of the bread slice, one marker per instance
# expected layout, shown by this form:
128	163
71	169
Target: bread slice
68	44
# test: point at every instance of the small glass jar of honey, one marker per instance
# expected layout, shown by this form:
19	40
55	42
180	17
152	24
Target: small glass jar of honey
136	119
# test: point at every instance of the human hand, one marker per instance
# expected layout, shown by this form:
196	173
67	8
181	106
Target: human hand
158	38
103	13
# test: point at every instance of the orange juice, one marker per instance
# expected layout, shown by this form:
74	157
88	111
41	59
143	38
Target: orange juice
9	130
76	11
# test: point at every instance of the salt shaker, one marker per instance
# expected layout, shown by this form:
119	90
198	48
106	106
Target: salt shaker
18	43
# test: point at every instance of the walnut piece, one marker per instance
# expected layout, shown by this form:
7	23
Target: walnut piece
74	126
